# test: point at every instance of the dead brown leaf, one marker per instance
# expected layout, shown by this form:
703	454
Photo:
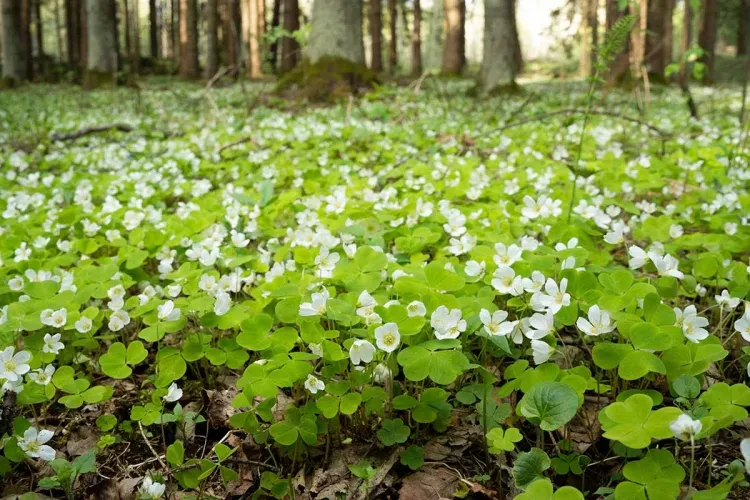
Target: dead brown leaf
429	483
81	440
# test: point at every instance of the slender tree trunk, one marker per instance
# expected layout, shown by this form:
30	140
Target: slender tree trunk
175	20
232	34
668	32
252	39
376	35
15	68
462	32
136	23
656	37
743	31
39	28
73	31
153	30
588	34
58	33
498	61
273	50
612	13
393	36
517	53
189	38
453	33
337	30
434	49
101	57
127	26
707	37
290	50
212	41
26	36
84	36
416	40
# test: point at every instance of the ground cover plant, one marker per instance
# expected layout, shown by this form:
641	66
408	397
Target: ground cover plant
413	293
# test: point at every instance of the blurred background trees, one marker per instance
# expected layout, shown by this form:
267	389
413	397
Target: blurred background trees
100	42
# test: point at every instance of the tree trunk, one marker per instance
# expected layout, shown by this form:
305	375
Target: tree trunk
517	54
376	35
26	37
743	31
416	40
453	33
290	50
176	43
252	38
73	31
707	37
434	49
189	38
612	13
84	37
337	30
589	36
128	32
39	29
58	33
686	40
136	23
656	37
462	34
101	45
212	40
153	30
232	42
498	62
273	50
668	32
14	58
393	36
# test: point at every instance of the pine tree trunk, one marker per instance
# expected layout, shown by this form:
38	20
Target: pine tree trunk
588	34
128	31
290	50
73	31
743	30
153	30
498	61
232	31
101	46
212	40
434	50
58	33
416	40
462	34
376	35
668	32
273	50
176	43
686	40
26	37
453	32
15	68
189	38
612	14
393	36
655	53
707	37
136	23
252	39
517	53
337	31
39	29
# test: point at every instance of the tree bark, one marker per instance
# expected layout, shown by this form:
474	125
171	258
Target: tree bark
136	24
101	45
290	50
273	50
176	40
453	32
73	31
128	32
743	30
416	40
393	36
189	38
232	30
589	36
462	34
251	23
707	37
58	33
434	49
337	31
38	28
376	35
26	37
14	59
212	40
517	54
656	38
498	62
686	40
612	13
153	30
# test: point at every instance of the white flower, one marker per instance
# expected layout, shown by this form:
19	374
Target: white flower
316	349
32	443
387	337
326	262
381	374
239	240
506	257
13	366
16	284
475	269
541	351
119	320
692	326
638	257
540	325
598	323
726	300
22	253
318	305
42	377
730	228
742	325
52	343
556	297
207	283
535	283
361	351
151	489
168	312
745	450
222	304
314	385
666	265
365	304
173	393
84	324
447	324
685	427
416	308
495	324
503	280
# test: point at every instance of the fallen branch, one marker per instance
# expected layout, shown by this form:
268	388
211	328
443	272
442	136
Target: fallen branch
91	130
237	143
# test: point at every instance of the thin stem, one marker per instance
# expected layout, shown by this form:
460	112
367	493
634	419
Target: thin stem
692	461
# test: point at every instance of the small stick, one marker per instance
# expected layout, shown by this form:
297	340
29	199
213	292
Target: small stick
158	457
91	130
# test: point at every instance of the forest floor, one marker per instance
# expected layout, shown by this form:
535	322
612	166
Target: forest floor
237	296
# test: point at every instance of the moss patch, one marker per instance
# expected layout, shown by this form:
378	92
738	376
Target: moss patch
96	79
328	80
